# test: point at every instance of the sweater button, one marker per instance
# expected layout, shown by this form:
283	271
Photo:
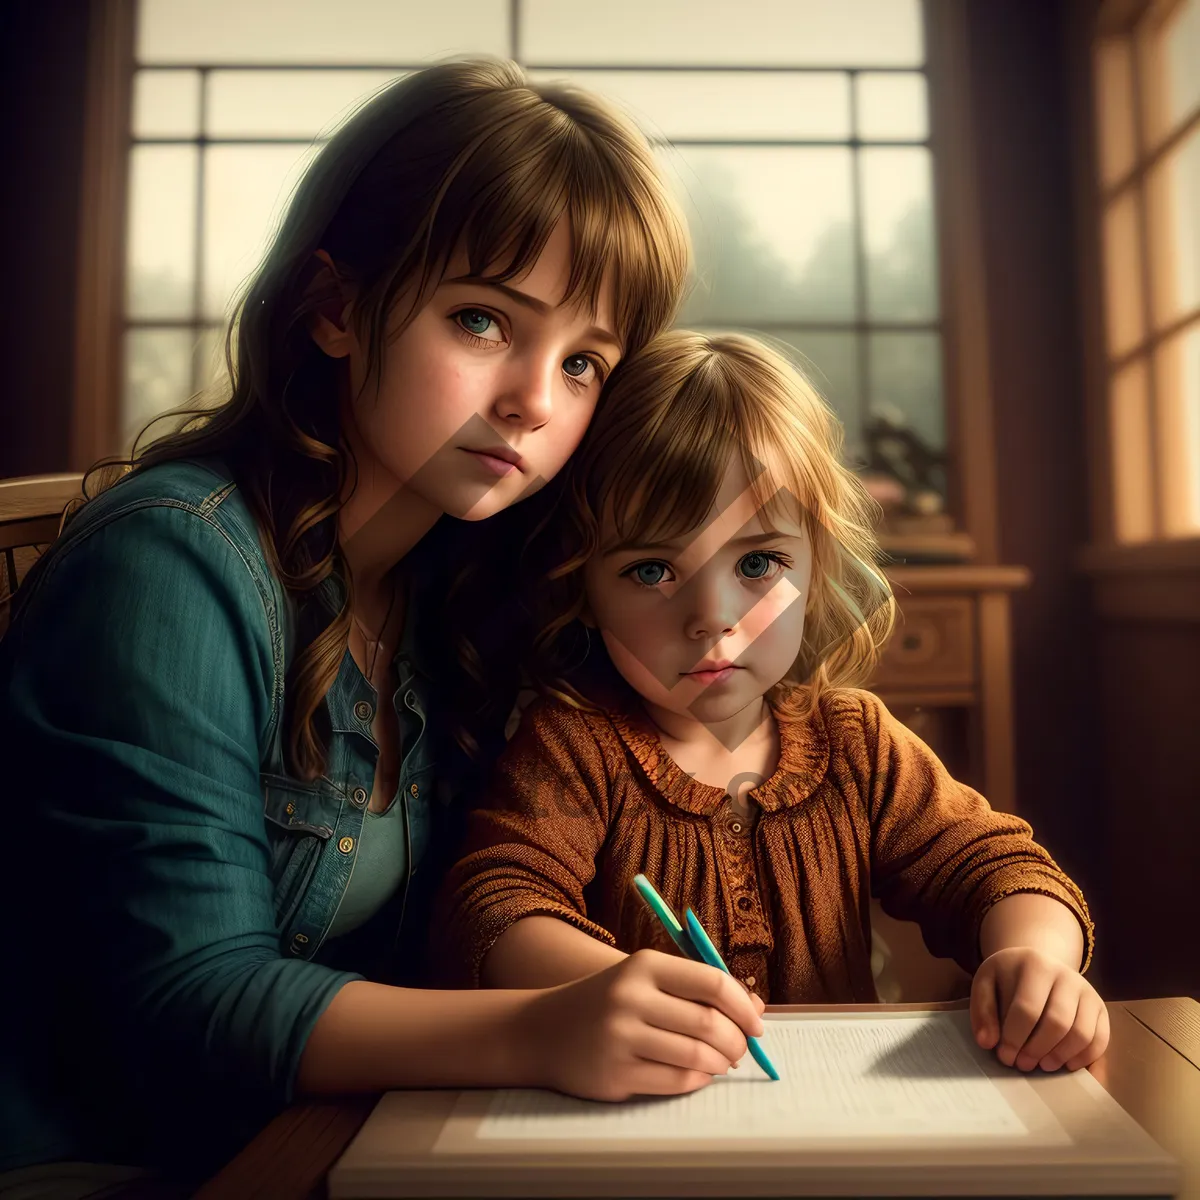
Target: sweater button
744	903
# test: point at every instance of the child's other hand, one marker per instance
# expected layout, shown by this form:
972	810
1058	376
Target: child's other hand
653	1024
1037	1012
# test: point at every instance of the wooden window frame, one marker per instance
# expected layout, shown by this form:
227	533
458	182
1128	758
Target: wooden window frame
1114	20
1156	581
971	482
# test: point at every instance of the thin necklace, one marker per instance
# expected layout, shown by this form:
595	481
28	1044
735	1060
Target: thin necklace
377	639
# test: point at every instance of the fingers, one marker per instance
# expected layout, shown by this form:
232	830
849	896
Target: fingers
1057	1023
666	1047
656	1079
1021	1010
985	1013
700	1023
705	985
1097	1046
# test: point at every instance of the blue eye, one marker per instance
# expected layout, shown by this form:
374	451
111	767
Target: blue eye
755	565
643	571
474	321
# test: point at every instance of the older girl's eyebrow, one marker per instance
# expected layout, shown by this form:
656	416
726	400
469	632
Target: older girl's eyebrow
543	308
749	539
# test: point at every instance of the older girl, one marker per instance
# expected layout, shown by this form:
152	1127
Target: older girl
247	682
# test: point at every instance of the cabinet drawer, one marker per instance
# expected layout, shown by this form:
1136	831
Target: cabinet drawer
933	644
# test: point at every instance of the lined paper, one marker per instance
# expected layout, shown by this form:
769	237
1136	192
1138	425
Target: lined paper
841	1078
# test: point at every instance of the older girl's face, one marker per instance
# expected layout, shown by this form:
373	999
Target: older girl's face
486	393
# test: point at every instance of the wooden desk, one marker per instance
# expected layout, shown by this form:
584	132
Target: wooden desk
1152	1068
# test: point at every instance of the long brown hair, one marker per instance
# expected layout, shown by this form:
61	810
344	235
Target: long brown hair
462	156
654	459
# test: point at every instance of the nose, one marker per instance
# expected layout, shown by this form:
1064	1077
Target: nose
526	399
712	608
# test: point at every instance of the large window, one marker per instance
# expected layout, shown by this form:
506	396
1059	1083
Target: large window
796	132
1147	86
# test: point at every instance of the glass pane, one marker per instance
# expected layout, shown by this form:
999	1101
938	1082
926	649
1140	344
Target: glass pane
898	234
892	107
1123	275
881	33
162	231
1181	49
286	103
1173	196
1114	107
1129	427
246	191
772	232
211	375
725	104
1169	65
361	32
830	362
906	419
158	378
1177	387
166	104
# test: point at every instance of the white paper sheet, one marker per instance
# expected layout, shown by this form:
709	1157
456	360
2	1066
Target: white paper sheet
917	1077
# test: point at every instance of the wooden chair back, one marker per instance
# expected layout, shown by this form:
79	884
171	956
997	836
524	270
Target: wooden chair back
31	511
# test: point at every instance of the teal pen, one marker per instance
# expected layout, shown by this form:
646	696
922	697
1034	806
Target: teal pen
695	944
708	953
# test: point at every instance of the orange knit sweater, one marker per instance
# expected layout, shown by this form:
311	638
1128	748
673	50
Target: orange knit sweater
858	806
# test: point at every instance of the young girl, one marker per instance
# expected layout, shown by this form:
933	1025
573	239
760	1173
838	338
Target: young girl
241	688
718	561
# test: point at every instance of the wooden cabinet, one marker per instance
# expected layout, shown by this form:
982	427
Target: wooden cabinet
947	669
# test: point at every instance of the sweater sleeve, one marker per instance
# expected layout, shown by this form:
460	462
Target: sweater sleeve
940	855
531	848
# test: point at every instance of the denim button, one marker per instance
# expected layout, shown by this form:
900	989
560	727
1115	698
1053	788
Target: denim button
416	791
362	710
359	796
346	845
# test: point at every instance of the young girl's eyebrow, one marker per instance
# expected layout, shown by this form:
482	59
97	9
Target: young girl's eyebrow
541	307
750	539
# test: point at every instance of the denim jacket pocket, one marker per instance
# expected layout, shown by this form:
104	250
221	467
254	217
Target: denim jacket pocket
300	819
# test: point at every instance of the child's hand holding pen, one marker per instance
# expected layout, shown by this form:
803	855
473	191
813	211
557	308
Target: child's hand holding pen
653	1024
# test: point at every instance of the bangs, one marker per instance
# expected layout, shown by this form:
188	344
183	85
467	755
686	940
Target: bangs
561	160
676	421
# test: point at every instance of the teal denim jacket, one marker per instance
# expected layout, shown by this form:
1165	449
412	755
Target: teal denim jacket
170	885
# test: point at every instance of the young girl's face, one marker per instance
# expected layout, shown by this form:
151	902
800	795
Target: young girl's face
485	394
702	626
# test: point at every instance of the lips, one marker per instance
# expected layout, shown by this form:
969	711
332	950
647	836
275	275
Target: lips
707	667
503	453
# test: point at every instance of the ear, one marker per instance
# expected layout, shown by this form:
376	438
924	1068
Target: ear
329	323
586	616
